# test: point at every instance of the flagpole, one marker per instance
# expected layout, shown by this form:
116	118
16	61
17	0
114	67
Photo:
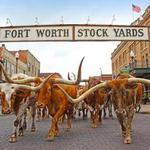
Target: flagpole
132	16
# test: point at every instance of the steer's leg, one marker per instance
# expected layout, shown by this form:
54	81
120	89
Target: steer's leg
24	121
13	137
122	121
53	131
33	113
84	113
104	111
38	111
99	111
21	111
130	114
20	131
92	113
69	118
110	109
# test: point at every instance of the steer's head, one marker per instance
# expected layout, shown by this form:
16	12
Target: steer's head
5	105
9	91
6	91
45	94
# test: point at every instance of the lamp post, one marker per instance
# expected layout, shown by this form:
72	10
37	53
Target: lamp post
17	57
2	62
132	56
101	74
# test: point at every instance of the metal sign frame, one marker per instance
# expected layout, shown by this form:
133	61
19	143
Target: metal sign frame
74	32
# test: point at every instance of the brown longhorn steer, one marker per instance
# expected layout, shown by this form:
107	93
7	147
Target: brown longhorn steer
95	101
55	100
124	93
5	105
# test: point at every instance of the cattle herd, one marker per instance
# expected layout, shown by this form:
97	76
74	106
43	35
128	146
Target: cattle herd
64	99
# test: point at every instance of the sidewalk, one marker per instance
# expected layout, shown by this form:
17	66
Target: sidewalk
145	108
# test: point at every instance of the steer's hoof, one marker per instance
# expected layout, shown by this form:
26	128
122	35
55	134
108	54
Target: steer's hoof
93	125
20	133
127	140
57	133
33	129
67	129
50	138
12	139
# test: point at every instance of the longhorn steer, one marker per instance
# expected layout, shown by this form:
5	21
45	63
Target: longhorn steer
19	97
124	92
95	100
52	97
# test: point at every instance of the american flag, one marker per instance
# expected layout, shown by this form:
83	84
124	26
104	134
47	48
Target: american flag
136	8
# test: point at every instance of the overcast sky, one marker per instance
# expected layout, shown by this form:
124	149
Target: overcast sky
64	57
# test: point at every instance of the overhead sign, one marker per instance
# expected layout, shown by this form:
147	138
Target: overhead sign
72	33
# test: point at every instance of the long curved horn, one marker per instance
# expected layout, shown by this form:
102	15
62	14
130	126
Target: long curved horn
103	85
29	79
69	76
32	88
84	95
5	74
139	80
74	76
77	81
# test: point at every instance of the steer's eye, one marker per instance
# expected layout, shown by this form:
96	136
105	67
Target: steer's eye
49	90
12	87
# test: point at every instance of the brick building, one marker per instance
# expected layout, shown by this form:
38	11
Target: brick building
133	56
25	63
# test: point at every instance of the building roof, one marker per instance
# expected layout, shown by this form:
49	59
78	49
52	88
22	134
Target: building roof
23	55
104	77
44	75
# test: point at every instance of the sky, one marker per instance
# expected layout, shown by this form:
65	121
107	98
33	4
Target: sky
64	57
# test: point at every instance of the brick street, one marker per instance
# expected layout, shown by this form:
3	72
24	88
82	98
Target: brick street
81	137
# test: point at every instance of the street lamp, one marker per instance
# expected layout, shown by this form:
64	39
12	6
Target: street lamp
132	56
17	57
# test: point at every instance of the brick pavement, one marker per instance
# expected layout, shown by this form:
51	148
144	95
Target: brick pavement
81	137
145	108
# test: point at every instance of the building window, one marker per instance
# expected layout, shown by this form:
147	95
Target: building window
116	65
147	61
35	71
38	72
10	68
6	64
32	69
120	60
142	47
29	67
142	62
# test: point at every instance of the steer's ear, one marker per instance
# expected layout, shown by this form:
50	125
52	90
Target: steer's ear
55	86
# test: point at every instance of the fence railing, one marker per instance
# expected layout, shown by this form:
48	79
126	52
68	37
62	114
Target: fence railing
139	64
